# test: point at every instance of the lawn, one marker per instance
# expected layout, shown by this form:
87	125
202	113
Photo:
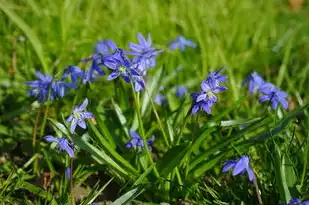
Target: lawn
154	102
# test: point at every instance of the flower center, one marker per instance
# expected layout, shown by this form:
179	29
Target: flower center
77	115
122	69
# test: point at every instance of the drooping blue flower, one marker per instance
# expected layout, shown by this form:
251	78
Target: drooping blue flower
181	43
41	87
240	166
74	72
206	98
95	70
215	78
254	81
68	173
160	99
274	95
144	54
297	202
47	88
205	104
78	116
181	91
105	47
59	88
137	141
63	144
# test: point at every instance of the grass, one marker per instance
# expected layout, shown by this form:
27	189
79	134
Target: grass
245	36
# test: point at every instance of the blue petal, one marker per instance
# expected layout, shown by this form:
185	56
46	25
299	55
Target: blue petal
133	134
73	125
83	105
240	166
50	138
113	75
81	123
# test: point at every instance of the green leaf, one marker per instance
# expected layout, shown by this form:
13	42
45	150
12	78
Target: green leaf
152	88
121	117
111	152
280	174
36	190
95	192
129	196
172	158
99	155
143	176
60	127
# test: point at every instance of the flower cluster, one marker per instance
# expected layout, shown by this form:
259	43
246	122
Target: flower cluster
108	55
240	166
46	88
77	118
269	91
206	98
297	202
137	141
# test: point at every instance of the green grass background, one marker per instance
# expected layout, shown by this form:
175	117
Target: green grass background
243	35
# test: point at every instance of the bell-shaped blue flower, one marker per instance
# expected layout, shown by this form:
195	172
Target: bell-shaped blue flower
181	43
136	141
240	166
274	95
105	47
181	91
254	81
63	144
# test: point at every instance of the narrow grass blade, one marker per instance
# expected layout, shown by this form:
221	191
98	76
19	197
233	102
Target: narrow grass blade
129	196
28	32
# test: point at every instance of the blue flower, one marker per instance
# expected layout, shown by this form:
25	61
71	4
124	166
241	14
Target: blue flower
95	69
181	91
181	42
144	54
40	88
206	98
47	88
74	72
59	88
254	81
137	141
274	95
205	104
120	65
105	47
63	144
68	173
296	202
78	116
240	166
160	99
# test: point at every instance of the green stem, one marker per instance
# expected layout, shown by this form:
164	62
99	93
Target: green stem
158	118
142	131
257	190
71	182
